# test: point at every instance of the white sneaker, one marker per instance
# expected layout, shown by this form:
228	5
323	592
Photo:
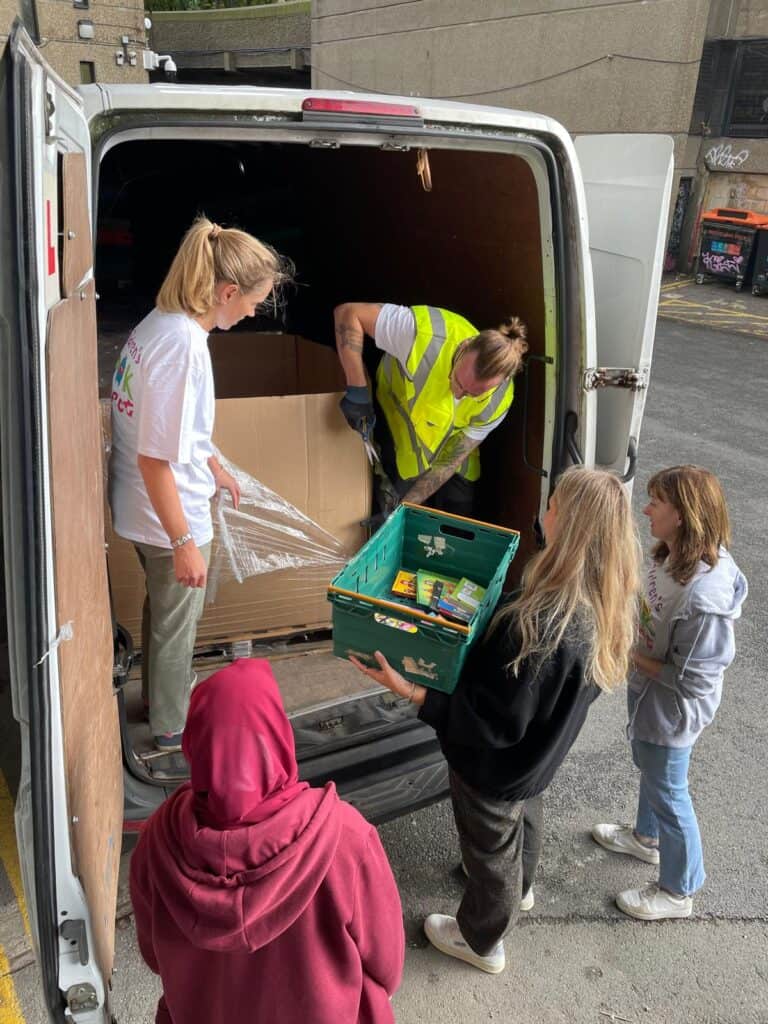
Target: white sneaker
444	934
653	904
526	903
621	839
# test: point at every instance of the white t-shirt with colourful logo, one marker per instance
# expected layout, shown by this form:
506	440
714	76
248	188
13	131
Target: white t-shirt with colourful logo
163	406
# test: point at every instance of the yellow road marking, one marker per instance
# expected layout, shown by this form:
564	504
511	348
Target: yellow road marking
735	314
697	323
676	284
10	1007
8	851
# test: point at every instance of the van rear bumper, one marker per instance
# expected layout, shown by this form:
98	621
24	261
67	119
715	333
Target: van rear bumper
387	778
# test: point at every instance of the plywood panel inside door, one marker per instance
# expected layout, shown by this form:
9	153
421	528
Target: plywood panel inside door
78	250
89	710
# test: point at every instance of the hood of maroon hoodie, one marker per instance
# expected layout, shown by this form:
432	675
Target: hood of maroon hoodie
237	889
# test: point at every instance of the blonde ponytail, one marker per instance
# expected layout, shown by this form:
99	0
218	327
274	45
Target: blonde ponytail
500	352
209	255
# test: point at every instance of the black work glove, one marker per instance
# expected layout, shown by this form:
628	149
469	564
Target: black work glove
357	406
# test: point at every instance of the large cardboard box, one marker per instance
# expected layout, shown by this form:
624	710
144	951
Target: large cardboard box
290	435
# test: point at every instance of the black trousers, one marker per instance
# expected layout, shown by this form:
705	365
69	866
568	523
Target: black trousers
457	495
500	845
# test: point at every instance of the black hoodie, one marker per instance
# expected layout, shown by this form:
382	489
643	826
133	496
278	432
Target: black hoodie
507	735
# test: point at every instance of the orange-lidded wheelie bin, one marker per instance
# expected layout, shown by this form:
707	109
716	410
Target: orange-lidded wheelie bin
727	244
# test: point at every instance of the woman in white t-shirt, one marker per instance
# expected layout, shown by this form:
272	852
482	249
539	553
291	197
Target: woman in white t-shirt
163	466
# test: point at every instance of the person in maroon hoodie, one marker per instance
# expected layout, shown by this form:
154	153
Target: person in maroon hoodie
256	897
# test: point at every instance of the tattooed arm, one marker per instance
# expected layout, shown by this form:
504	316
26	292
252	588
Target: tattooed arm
353	320
448	460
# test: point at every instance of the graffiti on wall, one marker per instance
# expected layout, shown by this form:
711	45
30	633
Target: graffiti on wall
722	157
717	263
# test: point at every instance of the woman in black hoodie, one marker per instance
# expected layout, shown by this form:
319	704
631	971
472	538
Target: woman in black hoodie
522	699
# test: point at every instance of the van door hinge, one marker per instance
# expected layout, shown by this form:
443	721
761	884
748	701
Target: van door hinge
615	377
81	999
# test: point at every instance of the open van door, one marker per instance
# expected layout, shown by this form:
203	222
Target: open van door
69	805
628	180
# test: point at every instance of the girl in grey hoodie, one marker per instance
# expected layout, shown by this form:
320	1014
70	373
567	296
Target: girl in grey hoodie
694	593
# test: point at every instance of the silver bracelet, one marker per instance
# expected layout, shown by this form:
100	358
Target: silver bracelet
181	541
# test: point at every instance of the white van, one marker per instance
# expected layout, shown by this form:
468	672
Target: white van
520	219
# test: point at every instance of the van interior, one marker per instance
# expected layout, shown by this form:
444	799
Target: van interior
358	225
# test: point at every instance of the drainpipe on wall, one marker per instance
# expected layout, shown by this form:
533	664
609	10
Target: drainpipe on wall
689	241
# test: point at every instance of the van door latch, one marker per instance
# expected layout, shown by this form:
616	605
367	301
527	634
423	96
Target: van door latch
73	931
629	378
330	724
81	999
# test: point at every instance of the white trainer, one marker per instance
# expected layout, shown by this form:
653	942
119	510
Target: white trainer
444	934
621	839
653	904
526	903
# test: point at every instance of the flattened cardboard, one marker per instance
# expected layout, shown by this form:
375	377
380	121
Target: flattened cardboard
251	365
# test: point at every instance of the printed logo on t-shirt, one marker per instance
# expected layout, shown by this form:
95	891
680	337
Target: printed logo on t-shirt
651	607
647	625
655	600
122	398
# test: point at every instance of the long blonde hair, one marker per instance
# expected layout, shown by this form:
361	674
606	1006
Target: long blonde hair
704	523
587	577
211	255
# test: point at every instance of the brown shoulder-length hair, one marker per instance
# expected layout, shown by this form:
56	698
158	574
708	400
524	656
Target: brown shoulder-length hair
704	523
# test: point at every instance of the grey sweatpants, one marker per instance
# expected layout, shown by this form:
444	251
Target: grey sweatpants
500	844
168	628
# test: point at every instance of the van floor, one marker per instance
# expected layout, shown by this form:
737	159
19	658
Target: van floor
307	679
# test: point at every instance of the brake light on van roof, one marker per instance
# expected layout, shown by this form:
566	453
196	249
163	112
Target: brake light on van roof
368	111
325	106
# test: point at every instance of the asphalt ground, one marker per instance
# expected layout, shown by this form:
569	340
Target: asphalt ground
575	958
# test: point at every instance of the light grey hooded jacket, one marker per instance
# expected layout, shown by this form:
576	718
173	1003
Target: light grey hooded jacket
673	710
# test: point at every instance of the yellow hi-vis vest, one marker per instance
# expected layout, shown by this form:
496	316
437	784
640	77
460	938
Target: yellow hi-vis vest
417	401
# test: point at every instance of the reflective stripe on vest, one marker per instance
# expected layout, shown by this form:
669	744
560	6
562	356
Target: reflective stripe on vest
417	400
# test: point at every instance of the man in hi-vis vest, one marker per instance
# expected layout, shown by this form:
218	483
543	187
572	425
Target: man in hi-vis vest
442	387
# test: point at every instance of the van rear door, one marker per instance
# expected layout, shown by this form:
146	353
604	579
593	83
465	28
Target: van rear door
628	180
69	806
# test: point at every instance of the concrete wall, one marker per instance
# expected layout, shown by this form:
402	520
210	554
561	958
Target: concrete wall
64	50
736	172
273	35
738	19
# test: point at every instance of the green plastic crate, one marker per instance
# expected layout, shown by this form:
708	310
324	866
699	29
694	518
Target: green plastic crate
422	646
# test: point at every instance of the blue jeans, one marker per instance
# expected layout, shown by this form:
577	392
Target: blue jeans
665	812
